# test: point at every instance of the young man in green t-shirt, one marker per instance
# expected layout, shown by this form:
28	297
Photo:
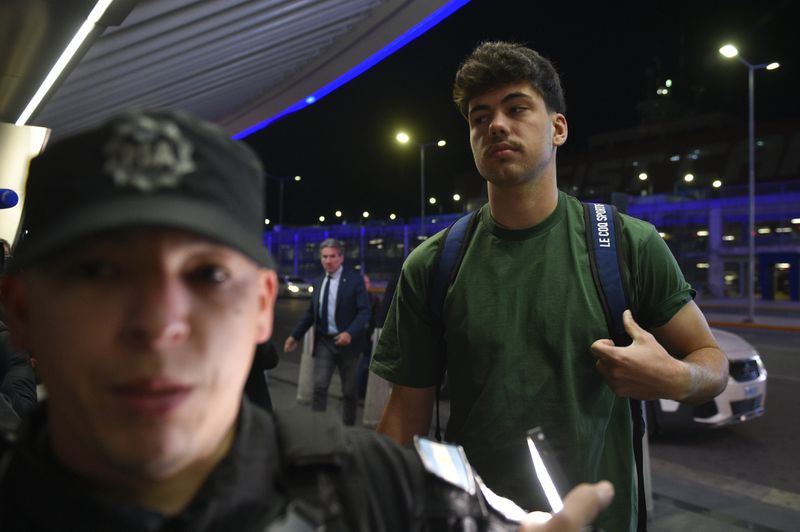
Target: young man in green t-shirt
526	338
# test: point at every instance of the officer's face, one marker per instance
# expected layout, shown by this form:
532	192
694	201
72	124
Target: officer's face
144	340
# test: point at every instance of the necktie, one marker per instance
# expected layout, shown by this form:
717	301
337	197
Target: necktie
323	314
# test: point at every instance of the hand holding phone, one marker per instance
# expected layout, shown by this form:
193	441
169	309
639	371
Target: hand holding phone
583	503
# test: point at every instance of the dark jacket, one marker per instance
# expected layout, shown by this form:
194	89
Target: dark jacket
352	307
17	380
301	463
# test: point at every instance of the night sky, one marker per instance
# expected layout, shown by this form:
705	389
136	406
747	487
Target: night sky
610	58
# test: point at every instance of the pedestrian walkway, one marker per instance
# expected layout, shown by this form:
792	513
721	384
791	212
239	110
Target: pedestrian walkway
686	499
733	313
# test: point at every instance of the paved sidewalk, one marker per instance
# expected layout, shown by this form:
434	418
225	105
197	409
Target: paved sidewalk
775	315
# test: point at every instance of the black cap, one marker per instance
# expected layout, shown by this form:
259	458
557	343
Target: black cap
145	168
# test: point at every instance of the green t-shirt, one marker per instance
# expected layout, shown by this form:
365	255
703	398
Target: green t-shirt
519	319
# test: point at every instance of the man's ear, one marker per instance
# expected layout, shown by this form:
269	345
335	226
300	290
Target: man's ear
560	129
14	290
268	291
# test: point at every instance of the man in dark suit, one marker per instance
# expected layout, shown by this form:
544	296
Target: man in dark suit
340	312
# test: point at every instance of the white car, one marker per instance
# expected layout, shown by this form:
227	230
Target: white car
291	286
743	398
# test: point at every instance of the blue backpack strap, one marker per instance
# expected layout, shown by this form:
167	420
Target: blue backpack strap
448	260
603	237
605	254
449	257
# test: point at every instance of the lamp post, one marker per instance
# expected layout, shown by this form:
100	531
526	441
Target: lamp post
281	182
731	51
404	138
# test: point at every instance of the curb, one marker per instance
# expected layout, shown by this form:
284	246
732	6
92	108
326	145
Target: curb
746	325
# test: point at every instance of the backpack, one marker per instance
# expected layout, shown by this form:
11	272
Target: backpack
603	232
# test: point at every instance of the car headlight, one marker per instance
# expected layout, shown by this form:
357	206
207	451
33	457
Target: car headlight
293	288
310	289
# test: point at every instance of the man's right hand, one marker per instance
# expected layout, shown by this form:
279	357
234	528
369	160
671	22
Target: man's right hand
581	507
289	345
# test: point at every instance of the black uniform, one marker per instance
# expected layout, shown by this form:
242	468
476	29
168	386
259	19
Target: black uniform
296	471
17	383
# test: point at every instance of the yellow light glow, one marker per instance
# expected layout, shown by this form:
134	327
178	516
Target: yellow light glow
393	216
365	214
643	176
717	183
338	214
688	178
321	218
432	201
764	230
456	197
702	232
729	51
773	66
402	137
442	143
298	178
703	265
783	266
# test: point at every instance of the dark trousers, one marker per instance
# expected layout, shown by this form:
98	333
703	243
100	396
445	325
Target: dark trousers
327	357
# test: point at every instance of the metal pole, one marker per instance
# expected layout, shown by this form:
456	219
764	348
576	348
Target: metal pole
422	189
280	207
751	312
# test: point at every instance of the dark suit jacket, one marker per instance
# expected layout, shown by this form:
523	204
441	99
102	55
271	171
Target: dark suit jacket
352	308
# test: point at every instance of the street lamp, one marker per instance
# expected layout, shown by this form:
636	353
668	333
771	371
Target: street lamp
281	181
730	51
404	138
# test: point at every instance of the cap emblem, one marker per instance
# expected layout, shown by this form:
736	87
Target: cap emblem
148	154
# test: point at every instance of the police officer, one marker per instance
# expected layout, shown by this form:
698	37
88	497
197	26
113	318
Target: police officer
142	287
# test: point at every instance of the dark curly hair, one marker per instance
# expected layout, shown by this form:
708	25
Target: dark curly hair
498	63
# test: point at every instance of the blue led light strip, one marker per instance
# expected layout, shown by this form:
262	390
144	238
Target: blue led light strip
416	31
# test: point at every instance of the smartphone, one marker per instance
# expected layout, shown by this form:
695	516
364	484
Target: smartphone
549	473
546	468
